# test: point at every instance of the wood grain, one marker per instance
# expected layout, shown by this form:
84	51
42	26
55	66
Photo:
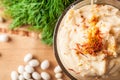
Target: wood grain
13	52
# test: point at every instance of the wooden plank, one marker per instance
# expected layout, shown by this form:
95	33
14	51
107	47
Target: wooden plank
13	52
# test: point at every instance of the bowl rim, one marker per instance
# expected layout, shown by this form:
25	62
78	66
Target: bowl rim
55	40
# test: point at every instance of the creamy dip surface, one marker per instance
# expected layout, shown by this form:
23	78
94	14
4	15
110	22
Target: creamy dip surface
88	42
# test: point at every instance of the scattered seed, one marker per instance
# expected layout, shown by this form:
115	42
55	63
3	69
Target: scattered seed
4	38
21	69
45	76
28	57
14	75
36	76
45	64
26	75
21	77
33	63
58	75
57	69
29	69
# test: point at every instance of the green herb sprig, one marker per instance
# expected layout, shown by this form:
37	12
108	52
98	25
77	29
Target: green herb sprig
40	14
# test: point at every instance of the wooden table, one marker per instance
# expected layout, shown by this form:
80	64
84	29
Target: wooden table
13	52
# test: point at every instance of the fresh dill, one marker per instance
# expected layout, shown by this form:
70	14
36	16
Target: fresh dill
42	15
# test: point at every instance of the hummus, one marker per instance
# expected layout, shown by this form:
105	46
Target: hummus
88	42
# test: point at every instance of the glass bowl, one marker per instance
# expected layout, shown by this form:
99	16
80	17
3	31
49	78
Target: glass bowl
78	4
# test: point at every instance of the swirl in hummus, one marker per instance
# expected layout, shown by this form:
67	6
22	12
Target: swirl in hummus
88	41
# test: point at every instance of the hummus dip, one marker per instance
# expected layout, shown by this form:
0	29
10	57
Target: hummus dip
88	42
